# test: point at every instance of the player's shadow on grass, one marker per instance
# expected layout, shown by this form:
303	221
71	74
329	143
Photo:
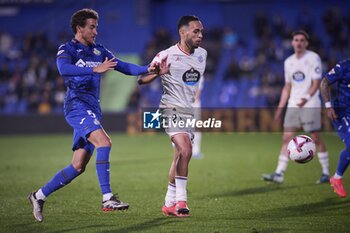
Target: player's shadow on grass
254	190
329	205
144	226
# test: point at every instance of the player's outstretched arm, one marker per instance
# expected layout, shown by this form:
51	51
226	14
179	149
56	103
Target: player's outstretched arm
160	68
326	95
132	69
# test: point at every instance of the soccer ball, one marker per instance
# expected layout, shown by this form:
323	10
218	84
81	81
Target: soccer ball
301	149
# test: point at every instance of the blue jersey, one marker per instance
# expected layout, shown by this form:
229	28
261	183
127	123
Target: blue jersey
75	62
340	74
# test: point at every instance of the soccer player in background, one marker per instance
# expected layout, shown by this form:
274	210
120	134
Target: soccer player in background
81	62
197	140
180	83
338	111
303	73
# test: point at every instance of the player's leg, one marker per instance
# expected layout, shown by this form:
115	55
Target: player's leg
170	197
311	121
291	123
196	147
322	155
103	144
79	161
282	164
343	129
184	147
196	151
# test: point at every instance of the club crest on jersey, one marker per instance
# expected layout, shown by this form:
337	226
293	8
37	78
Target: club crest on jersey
97	52
318	70
191	76
200	59
298	76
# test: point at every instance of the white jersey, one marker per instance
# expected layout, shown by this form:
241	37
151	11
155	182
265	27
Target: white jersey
185	77
300	72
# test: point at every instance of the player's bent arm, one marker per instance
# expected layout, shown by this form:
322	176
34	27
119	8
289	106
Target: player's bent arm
147	78
325	90
326	95
285	94
315	85
65	68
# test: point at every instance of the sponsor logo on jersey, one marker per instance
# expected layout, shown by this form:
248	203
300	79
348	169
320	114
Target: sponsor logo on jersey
191	76
298	76
97	52
79	50
82	63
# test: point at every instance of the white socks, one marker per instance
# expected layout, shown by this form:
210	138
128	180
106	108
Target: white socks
40	195
181	191
176	192
282	164
107	196
323	158
170	197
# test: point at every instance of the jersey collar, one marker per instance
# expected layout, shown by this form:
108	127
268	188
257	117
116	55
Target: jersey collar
186	53
82	45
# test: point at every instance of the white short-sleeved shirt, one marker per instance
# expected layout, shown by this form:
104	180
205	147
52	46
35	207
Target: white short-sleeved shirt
300	72
185	77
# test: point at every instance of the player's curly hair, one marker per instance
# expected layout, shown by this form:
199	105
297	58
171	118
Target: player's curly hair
79	18
185	20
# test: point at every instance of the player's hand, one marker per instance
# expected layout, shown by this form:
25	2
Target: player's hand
164	67
106	65
153	68
331	114
278	114
302	102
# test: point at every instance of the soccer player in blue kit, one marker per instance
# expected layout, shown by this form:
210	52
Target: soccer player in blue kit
338	110
81	62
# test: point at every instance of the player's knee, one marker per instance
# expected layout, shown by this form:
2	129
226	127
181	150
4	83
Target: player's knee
186	152
79	166
106	142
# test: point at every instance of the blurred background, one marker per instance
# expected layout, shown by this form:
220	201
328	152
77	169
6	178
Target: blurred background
247	42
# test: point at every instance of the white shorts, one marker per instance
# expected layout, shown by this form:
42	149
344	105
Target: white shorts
307	118
172	117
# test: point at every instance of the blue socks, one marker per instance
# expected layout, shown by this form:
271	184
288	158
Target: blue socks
102	168
63	177
343	162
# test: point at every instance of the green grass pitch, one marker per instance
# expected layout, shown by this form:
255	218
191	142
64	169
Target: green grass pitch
224	188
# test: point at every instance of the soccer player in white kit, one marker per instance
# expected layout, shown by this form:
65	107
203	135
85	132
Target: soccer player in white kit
303	73
180	80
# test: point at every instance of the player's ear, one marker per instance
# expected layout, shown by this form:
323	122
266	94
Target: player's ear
182	31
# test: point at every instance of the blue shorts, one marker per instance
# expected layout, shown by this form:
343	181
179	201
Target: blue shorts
342	126
83	123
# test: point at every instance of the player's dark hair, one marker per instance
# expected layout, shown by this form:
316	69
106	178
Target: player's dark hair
185	20
79	18
301	32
